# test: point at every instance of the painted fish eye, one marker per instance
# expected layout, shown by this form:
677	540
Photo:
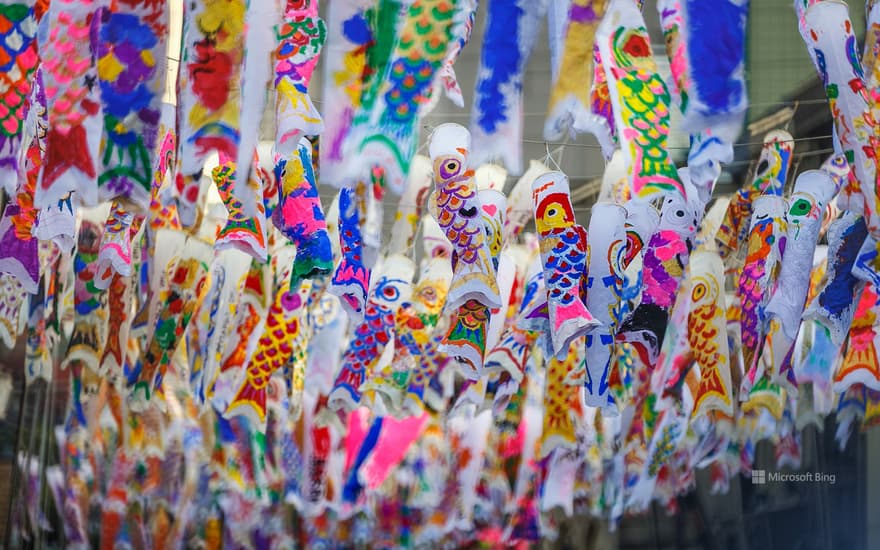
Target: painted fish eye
679	213
452	166
801	207
390	292
551	212
698	292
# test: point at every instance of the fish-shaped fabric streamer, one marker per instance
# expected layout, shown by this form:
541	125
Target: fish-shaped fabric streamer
69	77
295	370
215	319
119	295
209	97
707	335
329	326
300	39
511	271
861	362
562	402
642	221
770	177
835	305
394	440
348	36
371	335
415	328
870	58
163	213
243	231
131	62
411	205
371	194
19	250
709	97
468	334
114	256
640	98
387	382
42	332
274	349
384	132
496	117
665	260
512	351
755	281
671	428
256	76
607	245
12	297
563	245
18	225
602	124
351	280
462	27
672	369
185	278
570	109
57	222
828	34
520	210
434	241
534	315
456	207
90	325
253	294
814	364
812	192
299	215
18	42
466	339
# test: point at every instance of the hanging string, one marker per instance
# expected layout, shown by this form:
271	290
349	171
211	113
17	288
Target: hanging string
791	118
562	145
549	156
795	157
679	147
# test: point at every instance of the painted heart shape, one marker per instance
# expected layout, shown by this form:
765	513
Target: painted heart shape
490	209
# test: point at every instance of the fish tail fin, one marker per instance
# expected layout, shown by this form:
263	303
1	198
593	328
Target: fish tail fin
249	401
475	280
569	319
346	394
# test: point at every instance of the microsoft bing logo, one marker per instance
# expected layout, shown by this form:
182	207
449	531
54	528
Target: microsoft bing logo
761	477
